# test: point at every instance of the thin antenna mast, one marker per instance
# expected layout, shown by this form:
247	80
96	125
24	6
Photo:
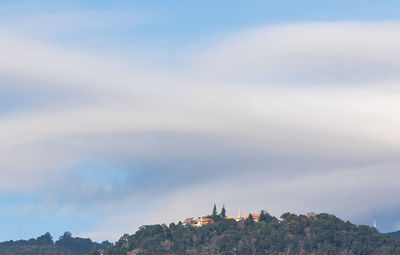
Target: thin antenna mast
20	232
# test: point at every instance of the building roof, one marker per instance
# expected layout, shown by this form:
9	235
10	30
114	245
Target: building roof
254	215
187	220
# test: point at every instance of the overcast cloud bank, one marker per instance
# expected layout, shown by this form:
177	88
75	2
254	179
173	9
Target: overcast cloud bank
297	117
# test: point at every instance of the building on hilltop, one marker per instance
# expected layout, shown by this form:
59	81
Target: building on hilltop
256	217
310	214
203	221
188	221
200	221
239	217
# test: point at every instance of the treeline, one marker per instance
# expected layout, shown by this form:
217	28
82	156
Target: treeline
394	234
44	245
292	234
323	234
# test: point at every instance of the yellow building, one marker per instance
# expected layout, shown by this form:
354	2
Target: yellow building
256	217
203	221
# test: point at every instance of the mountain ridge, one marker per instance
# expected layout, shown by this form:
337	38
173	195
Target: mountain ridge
322	234
314	234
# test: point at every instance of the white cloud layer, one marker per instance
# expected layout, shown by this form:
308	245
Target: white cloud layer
299	116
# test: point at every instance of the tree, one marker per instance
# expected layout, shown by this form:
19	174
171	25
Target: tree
263	217
94	252
67	235
105	244
250	219
75	244
45	239
214	212
223	212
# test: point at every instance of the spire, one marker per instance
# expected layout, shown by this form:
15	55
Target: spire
374	218
239	216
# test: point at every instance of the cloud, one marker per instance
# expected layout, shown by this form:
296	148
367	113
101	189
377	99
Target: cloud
298	116
308	54
321	191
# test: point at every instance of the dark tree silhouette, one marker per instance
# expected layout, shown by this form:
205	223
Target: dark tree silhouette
223	212
214	212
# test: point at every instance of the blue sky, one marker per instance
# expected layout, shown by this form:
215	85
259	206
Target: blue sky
176	23
115	114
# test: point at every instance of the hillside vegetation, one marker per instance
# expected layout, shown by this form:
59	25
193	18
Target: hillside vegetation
322	234
394	234
44	245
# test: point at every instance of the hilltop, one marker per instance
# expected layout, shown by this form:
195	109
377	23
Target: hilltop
321	234
218	234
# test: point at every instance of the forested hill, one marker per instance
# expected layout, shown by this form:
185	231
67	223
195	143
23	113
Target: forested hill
394	234
44	245
322	234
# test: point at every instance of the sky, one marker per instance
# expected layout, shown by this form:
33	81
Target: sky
117	114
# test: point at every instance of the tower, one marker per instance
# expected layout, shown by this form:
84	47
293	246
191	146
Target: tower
239	217
374	218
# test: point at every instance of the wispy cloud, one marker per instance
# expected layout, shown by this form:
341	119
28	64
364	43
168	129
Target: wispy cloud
274	115
308	53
